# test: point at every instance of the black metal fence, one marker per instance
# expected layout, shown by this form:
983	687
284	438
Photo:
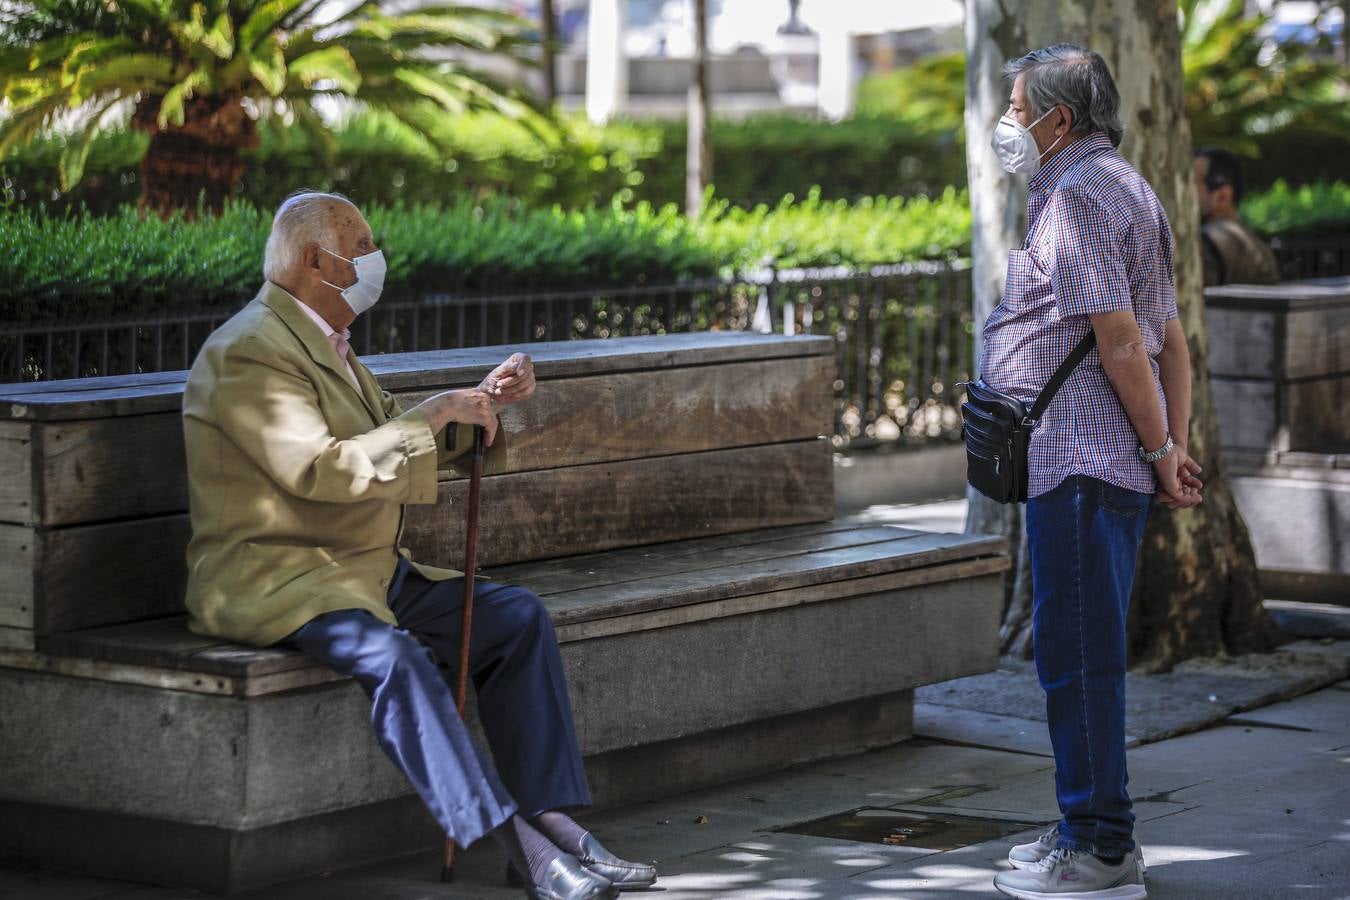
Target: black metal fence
904	340
903	334
1312	257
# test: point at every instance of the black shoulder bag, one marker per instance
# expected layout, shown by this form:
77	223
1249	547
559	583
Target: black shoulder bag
998	431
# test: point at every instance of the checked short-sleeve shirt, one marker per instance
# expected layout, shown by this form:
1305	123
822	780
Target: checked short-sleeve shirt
1097	241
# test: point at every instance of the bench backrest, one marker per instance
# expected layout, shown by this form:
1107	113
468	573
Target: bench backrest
627	442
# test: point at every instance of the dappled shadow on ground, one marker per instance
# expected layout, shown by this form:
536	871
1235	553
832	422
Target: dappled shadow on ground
775	870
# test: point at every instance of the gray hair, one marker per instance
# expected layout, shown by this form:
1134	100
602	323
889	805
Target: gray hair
1074	77
304	217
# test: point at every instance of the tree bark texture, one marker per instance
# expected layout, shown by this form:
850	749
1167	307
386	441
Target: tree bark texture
998	204
200	161
698	151
1195	588
548	47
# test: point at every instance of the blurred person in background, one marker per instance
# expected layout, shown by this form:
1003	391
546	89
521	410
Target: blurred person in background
1232	252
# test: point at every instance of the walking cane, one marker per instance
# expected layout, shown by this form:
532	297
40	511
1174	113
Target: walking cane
466	628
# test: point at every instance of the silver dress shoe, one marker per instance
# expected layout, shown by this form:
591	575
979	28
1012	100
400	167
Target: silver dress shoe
623	874
567	879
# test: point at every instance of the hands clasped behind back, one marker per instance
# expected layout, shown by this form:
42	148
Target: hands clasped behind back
1178	486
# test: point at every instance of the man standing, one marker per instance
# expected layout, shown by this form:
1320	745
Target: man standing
1232	253
1098	256
299	467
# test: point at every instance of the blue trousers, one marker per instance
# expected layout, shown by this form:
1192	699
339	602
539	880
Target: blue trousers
522	699
1083	540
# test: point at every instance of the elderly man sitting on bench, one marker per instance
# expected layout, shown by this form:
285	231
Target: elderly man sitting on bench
299	467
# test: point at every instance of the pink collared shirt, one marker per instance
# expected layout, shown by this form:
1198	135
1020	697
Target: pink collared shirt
332	335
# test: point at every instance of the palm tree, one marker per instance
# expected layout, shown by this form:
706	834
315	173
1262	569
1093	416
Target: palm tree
197	75
1241	84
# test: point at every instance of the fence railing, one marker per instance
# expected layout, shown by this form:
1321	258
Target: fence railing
1312	257
902	334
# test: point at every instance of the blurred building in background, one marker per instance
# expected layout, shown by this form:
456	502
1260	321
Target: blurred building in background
766	55
788	55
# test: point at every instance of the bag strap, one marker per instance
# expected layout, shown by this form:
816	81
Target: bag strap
1061	375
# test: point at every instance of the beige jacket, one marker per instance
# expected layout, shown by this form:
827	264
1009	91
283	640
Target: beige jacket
297	480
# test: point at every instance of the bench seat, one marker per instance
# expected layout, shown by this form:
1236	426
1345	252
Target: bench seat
593	595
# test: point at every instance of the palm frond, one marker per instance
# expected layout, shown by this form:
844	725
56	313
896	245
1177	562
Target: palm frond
51	51
427	85
129	75
267	64
333	64
30	120
263	21
218	38
92	52
426	28
300	14
163	12
172	108
76	151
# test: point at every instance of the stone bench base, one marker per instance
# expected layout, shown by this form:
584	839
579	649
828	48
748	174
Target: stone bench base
223	767
224	860
1297	508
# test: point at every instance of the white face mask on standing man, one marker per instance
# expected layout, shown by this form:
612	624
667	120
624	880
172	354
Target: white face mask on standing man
1015	145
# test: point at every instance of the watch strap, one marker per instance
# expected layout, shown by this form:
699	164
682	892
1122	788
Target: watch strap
1152	456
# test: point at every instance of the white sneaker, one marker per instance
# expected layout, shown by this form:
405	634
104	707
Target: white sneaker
1072	875
1024	856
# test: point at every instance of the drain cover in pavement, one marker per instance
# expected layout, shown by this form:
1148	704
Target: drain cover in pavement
873	825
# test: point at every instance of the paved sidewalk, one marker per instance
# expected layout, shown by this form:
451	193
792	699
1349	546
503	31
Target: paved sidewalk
1233	801
1257	806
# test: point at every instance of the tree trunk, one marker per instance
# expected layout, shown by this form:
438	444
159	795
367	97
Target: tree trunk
998	210
1345	30
698	151
548	46
1195	590
197	163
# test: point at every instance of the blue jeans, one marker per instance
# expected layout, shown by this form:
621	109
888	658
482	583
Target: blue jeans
523	703
1083	539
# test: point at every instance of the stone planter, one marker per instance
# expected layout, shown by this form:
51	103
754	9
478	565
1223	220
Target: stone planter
1279	360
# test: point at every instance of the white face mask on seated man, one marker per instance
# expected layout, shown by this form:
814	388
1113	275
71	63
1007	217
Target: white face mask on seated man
363	293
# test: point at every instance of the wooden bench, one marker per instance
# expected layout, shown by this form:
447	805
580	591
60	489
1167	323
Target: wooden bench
669	498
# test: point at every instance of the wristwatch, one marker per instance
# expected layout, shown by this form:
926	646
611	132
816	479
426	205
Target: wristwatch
1154	456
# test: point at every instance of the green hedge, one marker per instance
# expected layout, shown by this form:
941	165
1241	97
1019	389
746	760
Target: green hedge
78	265
1310	210
930	94
375	159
